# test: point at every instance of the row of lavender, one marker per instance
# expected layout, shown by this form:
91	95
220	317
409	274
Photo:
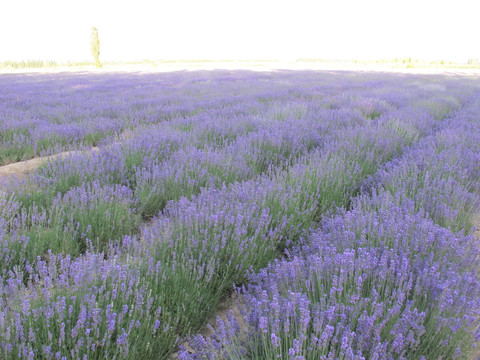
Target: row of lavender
45	114
138	298
187	286
94	198
68	203
395	277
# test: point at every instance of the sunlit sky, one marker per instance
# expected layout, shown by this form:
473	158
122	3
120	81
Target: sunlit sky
242	29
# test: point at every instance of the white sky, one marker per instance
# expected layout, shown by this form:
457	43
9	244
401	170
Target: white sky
240	29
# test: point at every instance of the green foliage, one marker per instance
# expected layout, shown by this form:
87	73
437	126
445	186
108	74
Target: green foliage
95	46
28	64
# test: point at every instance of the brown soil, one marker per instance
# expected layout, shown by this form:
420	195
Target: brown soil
232	304
476	222
22	168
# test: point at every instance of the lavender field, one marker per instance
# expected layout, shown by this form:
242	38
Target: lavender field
339	207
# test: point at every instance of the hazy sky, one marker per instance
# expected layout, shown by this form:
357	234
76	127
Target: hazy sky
240	29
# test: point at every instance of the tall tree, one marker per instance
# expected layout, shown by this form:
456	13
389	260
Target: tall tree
95	46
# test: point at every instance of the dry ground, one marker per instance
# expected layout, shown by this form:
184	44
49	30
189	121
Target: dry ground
233	304
22	168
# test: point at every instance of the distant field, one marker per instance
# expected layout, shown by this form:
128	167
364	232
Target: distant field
408	65
341	206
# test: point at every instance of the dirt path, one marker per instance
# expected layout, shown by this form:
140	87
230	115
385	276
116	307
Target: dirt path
22	168
233	303
476	223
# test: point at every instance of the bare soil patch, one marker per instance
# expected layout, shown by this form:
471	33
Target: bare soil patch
22	168
233	304
476	223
